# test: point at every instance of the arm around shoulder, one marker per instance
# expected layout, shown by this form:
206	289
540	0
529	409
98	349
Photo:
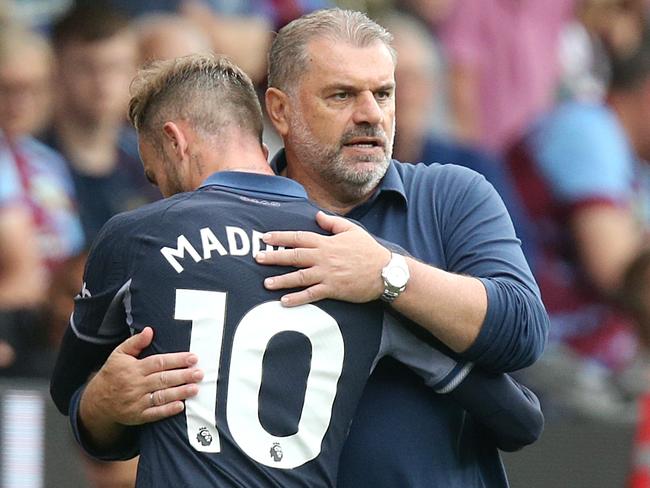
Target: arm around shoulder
485	304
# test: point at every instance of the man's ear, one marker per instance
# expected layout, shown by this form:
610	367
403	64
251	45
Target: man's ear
177	140
277	107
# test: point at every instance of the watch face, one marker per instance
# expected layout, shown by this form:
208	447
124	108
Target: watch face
396	276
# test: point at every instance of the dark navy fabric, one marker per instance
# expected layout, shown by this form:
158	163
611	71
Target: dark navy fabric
403	435
128	280
436	150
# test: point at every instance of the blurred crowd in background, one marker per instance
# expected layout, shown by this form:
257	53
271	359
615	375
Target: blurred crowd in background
549	100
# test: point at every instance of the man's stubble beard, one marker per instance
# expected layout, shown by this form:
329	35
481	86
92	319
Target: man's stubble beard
331	165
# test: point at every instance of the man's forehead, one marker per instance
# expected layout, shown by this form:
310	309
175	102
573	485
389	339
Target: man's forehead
332	61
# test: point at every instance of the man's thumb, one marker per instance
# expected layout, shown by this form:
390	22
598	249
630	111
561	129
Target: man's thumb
134	345
333	223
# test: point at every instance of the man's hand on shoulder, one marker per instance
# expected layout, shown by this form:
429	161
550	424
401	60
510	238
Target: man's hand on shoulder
345	266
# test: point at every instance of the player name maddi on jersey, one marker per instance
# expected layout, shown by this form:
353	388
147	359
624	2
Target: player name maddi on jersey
238	242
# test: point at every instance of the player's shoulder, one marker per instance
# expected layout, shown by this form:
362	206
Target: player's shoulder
131	222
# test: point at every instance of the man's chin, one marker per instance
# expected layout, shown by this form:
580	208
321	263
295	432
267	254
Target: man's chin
365	173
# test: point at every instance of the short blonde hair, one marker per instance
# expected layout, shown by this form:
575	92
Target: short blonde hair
207	90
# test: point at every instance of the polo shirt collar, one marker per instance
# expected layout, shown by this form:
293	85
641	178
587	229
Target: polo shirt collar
256	182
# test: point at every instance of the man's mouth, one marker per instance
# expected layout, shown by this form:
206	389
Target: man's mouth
365	142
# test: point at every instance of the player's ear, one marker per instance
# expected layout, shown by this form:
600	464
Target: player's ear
277	107
175	137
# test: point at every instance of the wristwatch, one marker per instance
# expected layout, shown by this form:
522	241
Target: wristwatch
395	275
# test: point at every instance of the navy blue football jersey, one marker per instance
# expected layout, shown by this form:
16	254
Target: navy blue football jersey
281	385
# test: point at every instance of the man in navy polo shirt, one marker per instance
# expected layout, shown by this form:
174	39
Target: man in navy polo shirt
334	107
331	98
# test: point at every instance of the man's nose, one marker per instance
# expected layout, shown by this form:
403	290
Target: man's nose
367	109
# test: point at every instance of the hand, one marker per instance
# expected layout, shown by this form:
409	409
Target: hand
132	391
345	266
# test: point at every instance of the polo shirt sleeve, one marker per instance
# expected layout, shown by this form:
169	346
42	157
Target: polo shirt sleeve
479	240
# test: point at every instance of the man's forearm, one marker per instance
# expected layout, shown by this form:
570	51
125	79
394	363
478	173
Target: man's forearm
450	306
497	323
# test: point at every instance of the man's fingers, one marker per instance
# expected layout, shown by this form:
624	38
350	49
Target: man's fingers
161	404
309	295
162	412
169	395
295	279
171	378
292	238
135	344
169	361
333	223
298	258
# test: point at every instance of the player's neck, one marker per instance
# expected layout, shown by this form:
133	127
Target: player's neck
243	159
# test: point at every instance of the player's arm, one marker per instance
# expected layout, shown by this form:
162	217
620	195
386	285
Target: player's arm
126	391
509	413
90	336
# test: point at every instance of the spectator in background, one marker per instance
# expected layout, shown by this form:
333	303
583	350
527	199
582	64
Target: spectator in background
503	58
166	36
420	78
35	178
599	28
583	176
242	30
245	35
21	282
96	54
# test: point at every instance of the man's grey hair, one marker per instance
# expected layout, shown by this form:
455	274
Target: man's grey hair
207	90
288	57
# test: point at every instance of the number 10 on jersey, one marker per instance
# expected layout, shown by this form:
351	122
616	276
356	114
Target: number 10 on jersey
207	310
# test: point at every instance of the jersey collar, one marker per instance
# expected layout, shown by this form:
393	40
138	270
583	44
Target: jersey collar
256	182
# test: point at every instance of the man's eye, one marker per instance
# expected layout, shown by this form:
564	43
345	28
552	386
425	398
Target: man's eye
383	95
341	95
